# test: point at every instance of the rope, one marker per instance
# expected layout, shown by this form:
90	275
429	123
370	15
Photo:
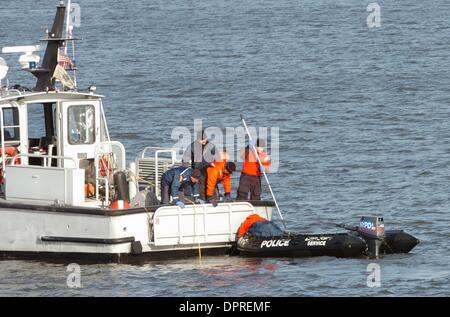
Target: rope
199	248
136	178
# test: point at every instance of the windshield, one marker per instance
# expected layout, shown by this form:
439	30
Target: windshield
81	124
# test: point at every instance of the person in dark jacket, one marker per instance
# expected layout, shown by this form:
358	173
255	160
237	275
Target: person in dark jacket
176	181
198	155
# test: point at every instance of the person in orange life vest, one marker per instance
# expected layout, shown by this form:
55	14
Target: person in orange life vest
219	171
250	181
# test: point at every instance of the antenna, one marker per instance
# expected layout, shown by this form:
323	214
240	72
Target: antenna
3	70
68	31
56	42
21	49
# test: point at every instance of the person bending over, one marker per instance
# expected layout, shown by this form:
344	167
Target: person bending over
176	181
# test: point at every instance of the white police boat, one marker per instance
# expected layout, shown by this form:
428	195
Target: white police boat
65	191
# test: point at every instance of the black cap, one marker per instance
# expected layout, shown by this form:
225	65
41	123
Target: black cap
230	166
196	173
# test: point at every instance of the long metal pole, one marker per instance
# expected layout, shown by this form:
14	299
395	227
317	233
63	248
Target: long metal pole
264	173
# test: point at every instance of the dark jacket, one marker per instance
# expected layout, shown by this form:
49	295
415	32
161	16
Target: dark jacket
198	155
179	179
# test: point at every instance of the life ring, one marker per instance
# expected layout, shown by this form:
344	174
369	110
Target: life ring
105	166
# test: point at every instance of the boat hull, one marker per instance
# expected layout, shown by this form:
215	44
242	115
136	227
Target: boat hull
398	241
123	258
343	245
76	234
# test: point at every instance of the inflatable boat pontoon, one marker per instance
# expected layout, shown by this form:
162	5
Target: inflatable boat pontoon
265	239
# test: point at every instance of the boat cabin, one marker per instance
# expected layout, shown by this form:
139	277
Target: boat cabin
55	148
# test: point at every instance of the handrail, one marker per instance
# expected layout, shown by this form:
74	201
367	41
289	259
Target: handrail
205	213
106	148
98	151
48	158
18	92
157	152
143	152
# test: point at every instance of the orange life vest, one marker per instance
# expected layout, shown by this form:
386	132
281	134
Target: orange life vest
249	221
10	151
251	165
214	175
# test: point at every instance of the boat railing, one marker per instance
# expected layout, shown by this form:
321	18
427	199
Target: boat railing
109	158
199	223
112	147
46	182
155	150
46	159
7	92
152	163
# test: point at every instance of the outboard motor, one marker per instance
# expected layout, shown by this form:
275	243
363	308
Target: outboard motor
371	229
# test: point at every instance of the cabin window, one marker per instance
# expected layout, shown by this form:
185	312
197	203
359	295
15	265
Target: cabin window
11	127
81	124
36	121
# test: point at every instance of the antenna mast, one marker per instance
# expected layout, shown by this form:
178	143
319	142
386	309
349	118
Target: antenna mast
68	33
54	42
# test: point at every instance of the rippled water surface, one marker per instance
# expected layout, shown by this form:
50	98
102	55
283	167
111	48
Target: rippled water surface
363	117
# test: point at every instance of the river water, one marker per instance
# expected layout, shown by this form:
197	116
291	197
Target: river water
362	114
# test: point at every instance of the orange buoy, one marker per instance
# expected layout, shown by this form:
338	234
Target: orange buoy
120	204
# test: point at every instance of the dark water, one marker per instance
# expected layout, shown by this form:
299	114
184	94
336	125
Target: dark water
363	117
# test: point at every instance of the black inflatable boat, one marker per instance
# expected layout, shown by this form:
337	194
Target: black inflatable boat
265	239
